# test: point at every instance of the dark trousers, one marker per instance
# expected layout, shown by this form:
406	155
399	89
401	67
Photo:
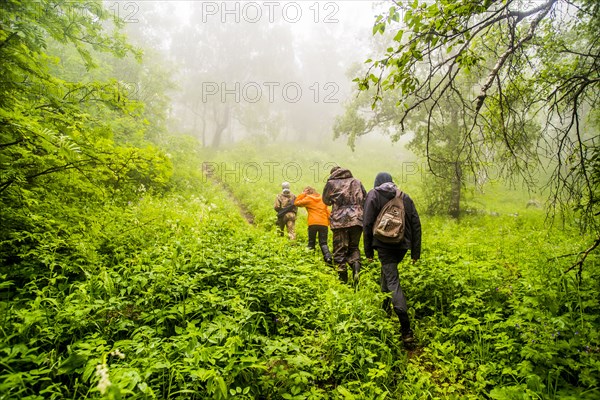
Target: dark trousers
390	258
321	231
345	246
317	230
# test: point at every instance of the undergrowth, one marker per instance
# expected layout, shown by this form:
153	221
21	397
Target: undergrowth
175	296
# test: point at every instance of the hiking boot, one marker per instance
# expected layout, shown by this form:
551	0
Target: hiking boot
326	254
408	339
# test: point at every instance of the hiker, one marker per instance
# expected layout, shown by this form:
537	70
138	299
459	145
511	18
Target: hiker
318	220
286	211
391	254
346	195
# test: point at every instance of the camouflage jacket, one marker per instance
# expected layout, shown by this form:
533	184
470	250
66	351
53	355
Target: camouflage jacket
346	195
285	202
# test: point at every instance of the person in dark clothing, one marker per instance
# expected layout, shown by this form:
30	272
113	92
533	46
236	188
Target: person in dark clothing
346	195
391	254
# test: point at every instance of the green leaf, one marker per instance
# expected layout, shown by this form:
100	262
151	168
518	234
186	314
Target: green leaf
398	36
344	392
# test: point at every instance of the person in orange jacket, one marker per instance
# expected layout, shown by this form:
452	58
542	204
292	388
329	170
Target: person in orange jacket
318	220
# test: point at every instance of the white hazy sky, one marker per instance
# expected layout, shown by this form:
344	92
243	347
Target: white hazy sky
349	22
350	15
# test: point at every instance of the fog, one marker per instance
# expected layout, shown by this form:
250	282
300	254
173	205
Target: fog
274	71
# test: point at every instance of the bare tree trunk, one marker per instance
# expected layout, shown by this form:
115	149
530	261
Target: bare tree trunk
222	120
456	167
456	186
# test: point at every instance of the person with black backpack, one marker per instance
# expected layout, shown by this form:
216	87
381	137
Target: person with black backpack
391	225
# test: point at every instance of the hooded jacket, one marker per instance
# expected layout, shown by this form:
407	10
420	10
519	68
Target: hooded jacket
346	195
318	212
376	199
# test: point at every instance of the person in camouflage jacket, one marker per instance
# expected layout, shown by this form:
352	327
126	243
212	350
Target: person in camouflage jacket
286	211
346	195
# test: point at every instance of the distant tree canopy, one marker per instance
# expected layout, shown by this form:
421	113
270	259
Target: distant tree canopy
529	64
72	136
62	107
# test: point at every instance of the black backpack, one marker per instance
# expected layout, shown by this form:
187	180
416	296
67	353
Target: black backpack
389	225
287	206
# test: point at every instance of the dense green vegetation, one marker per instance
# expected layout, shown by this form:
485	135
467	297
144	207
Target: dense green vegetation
127	272
202	305
496	313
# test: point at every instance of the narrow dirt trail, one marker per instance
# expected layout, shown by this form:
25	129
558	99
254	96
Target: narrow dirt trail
244	211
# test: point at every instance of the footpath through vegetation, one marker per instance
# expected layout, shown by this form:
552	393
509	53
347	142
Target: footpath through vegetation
209	174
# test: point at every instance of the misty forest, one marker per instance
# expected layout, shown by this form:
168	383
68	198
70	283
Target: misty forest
143	145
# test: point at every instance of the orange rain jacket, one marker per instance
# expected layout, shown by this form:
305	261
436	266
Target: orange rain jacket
318	212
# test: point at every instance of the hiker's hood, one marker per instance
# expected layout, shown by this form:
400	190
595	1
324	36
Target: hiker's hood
382	178
340	173
387	189
314	196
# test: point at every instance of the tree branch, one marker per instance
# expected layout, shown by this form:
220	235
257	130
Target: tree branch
586	253
543	11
